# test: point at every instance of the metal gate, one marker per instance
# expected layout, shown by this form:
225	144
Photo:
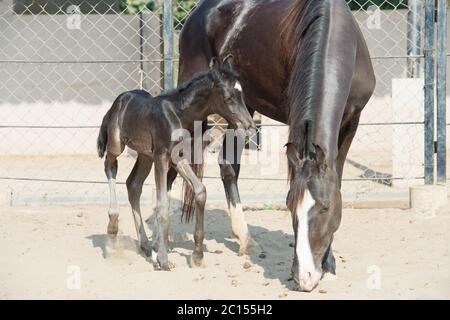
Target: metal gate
63	62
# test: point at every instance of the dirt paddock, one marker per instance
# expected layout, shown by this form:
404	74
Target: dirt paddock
399	254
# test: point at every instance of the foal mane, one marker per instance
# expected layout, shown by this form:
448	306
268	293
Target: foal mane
306	29
201	78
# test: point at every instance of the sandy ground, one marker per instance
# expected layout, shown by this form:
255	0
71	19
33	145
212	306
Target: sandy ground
380	254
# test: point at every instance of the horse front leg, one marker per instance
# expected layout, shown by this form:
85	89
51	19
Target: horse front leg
161	245
185	170
230	157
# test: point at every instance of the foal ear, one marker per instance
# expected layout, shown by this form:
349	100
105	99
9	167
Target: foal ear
292	154
228	62
320	157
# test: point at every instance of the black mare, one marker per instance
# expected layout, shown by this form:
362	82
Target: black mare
304	63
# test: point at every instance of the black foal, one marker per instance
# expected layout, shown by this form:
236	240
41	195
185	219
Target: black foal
147	125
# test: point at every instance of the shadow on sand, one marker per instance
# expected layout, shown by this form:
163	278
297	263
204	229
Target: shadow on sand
275	259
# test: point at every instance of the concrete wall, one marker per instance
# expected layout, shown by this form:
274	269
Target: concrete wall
69	93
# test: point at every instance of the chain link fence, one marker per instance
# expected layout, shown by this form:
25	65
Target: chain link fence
62	63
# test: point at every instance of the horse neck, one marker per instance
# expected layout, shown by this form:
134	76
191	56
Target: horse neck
327	135
195	105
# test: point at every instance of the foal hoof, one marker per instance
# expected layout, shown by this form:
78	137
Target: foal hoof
164	266
163	262
251	247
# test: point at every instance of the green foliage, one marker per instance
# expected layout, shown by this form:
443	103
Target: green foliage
181	8
382	4
269	207
136	6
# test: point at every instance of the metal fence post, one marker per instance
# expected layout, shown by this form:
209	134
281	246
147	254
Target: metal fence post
429	92
441	91
168	44
413	42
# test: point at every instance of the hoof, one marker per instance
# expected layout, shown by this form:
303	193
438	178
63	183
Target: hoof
329	263
113	225
163	262
251	247
164	266
197	259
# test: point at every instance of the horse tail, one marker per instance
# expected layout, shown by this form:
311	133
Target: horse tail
102	140
188	193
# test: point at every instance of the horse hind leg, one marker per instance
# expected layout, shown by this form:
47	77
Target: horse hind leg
113	212
114	149
135	181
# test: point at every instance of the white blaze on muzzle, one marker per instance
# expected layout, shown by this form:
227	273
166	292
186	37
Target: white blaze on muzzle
303	250
238	86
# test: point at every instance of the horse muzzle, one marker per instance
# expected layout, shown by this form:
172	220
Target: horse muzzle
308	281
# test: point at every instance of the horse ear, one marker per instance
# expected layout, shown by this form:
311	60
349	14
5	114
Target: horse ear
228	62
292	154
214	66
320	157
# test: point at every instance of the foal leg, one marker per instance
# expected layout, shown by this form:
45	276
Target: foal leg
113	212
185	170
171	176
162	211
229	171
135	181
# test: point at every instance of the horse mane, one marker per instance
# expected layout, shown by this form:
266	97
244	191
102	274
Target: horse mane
306	28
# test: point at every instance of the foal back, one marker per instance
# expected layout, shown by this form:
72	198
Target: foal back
127	123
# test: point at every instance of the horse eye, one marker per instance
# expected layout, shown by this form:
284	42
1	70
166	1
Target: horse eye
324	210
